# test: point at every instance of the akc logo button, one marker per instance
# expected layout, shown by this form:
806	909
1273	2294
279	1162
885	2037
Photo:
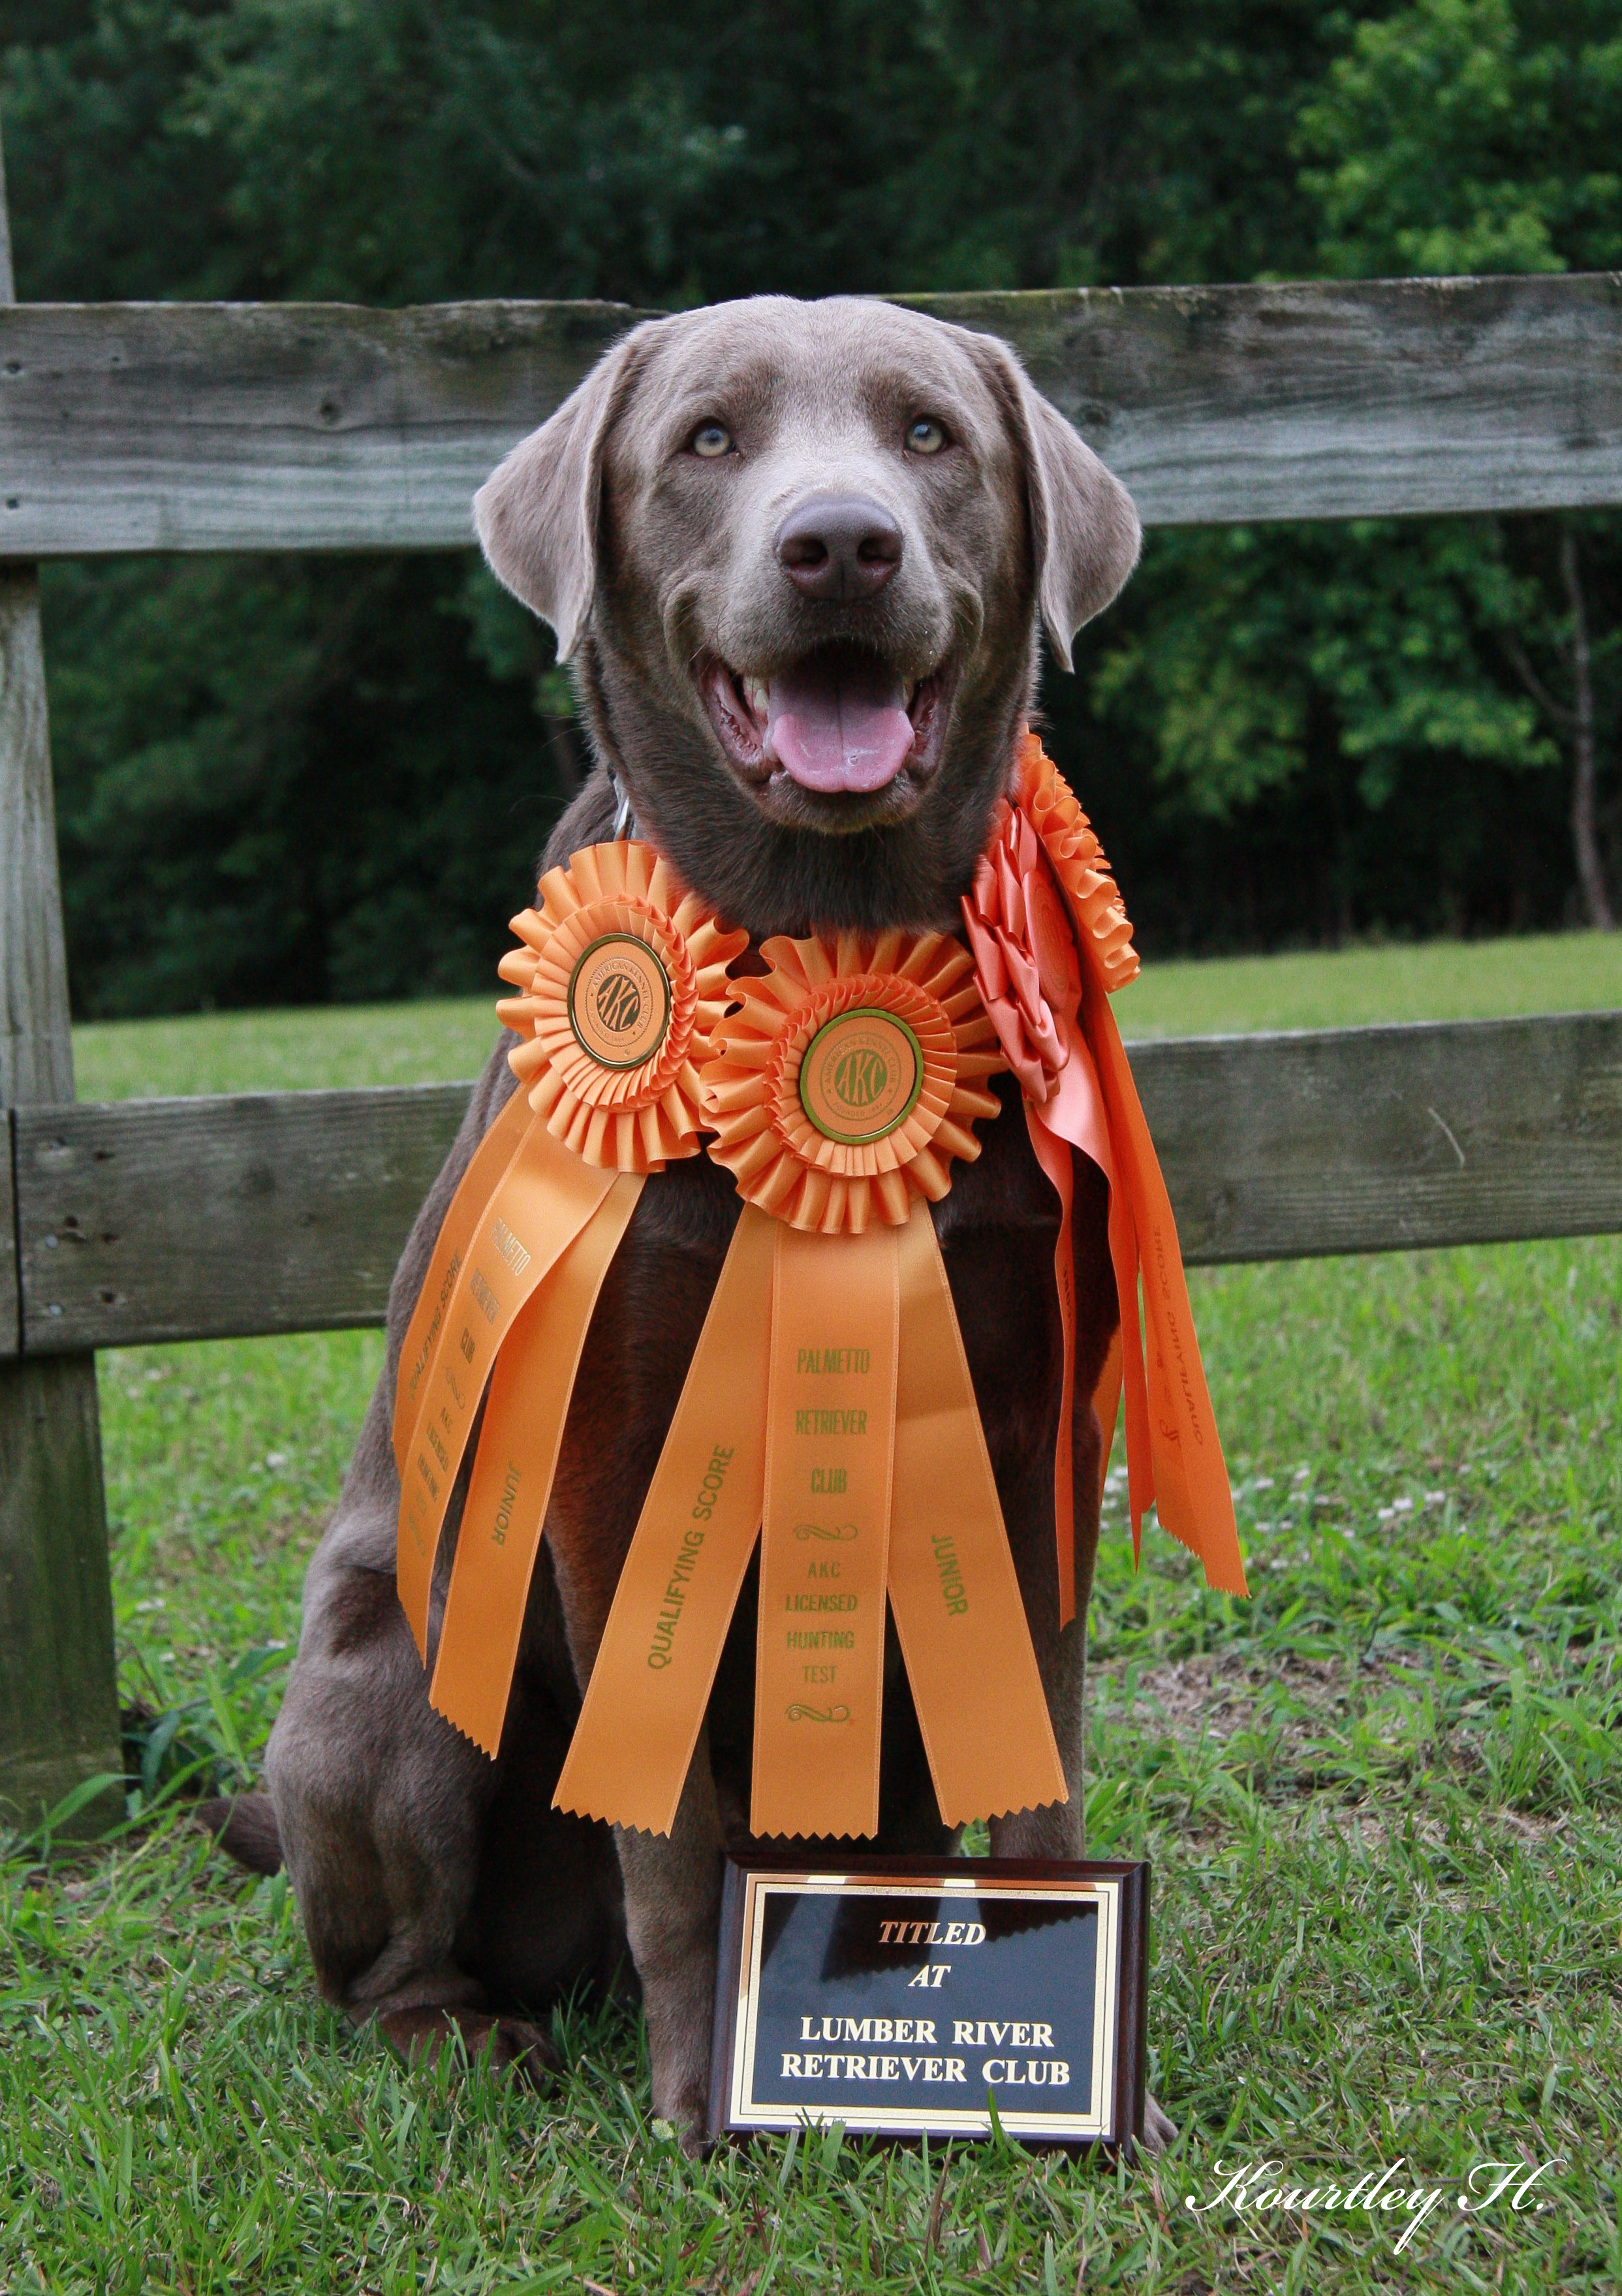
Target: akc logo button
861	1076
620	1002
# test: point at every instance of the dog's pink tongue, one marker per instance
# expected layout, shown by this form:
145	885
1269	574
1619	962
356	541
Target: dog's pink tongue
838	725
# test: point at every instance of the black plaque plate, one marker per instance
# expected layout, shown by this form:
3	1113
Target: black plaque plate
901	1995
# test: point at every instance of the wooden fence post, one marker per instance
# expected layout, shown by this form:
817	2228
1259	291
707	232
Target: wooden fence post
59	1720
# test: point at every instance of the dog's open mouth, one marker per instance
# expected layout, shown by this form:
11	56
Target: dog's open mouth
840	722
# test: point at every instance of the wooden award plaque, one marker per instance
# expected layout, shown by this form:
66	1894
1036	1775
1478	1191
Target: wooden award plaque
909	1995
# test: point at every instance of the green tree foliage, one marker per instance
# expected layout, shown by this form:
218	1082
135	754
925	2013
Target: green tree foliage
1471	135
292	779
1443	663
1462	136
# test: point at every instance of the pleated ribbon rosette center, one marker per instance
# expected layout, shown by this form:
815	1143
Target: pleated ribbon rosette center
829	1408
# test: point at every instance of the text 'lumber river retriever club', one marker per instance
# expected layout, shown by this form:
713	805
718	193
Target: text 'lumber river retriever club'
822	2059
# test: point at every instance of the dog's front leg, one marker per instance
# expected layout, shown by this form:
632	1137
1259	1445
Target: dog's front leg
1059	1828
672	1911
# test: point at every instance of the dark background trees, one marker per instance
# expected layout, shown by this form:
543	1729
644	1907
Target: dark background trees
285	780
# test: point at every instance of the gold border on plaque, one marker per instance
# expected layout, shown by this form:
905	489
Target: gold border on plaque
1069	2127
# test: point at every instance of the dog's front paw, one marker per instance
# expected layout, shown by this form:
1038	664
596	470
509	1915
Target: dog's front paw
687	2117
508	2044
1159	2129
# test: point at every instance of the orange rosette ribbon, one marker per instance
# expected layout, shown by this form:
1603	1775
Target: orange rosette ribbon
829	1408
623	976
1052	943
849	1077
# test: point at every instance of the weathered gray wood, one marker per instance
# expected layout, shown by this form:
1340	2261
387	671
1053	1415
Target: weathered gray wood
11	1321
59	1717
36	1038
249	426
1284	1147
1334	399
267	426
285	1211
59	1722
168	1220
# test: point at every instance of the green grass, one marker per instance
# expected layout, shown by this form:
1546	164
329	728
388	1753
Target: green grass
1427	980
435	1043
1383	1801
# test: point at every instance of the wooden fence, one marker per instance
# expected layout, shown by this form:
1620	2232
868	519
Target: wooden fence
199	427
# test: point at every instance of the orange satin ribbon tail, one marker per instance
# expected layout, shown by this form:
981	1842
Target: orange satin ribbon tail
1172	1410
461	1222
1174	1456
953	1586
1053	1154
1140	1457
545	1197
1072	1116
830	1426
1107	1404
678	1588
514	1469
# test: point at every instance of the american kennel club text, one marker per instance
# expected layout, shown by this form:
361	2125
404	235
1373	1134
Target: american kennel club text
913	2049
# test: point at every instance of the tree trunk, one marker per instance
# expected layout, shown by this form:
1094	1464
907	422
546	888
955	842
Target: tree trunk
1584	837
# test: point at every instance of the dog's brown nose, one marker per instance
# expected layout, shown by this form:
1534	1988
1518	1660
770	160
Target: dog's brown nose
839	548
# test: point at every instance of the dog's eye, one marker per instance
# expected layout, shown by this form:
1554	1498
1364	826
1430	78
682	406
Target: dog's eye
926	437
712	439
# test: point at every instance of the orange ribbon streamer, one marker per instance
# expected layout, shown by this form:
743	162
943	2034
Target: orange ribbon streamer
514	1469
543	1201
1073	1115
679	1584
1173	1453
462	1221
830	1424
1047	991
623	975
952	1587
841	1092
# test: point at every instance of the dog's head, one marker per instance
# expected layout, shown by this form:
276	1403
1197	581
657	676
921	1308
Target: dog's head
800	551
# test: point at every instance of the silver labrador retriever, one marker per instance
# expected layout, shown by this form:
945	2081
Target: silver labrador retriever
800	554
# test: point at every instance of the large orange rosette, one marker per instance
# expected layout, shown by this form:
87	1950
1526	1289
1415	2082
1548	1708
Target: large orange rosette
623	975
850	1077
1051	944
829	1405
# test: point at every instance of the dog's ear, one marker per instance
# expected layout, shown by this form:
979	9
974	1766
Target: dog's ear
1084	531
537	514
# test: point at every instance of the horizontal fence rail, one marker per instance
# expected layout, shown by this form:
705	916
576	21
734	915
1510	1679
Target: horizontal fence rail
11	1296
1388	1139
139	427
171	1219
175	1219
